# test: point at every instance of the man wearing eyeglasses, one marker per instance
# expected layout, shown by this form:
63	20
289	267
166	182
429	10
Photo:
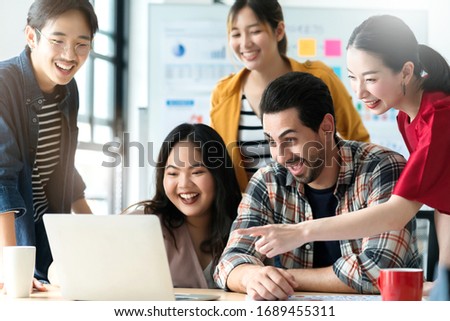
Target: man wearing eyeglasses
38	125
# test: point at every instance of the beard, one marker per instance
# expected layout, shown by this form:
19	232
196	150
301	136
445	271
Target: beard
313	166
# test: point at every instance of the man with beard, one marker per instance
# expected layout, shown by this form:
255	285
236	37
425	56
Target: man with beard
315	174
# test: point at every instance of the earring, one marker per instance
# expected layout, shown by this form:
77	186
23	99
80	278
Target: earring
404	89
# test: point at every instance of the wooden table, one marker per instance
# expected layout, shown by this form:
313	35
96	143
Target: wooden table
54	294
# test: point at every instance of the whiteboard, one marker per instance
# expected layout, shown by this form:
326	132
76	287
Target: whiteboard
189	53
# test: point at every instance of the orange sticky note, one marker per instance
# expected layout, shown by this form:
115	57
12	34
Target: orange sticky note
307	47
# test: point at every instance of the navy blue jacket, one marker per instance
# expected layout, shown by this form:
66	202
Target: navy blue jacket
20	98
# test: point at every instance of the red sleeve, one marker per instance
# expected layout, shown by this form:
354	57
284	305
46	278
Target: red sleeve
426	177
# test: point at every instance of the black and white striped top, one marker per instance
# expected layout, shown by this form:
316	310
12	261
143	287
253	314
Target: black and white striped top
47	153
253	145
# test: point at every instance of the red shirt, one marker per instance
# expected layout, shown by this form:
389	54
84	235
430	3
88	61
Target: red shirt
426	177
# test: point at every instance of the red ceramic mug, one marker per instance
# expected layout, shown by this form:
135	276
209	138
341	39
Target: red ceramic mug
401	284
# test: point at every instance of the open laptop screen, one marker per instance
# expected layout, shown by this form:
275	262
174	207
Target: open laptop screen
109	257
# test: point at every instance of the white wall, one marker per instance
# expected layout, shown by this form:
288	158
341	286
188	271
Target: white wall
12	25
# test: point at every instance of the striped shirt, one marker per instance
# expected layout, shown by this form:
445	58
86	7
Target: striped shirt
252	143
366	177
47	152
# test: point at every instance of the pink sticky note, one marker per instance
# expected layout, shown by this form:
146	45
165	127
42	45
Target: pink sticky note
333	48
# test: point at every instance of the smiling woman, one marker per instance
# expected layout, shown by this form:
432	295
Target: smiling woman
257	37
196	199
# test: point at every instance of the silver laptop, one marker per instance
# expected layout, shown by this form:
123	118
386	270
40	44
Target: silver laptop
109	257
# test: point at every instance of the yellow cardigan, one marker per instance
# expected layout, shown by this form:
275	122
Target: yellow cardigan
226	108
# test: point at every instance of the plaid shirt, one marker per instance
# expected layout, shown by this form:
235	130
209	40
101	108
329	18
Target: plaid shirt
367	177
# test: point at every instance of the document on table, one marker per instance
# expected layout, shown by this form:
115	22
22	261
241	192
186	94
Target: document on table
330	297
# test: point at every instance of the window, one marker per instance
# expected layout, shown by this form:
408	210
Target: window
99	118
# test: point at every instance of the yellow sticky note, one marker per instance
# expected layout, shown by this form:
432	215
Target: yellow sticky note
307	47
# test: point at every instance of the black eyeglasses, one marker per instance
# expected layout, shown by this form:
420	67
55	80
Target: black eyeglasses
81	49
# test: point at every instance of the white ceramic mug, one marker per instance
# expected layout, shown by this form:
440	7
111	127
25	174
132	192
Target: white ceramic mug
18	270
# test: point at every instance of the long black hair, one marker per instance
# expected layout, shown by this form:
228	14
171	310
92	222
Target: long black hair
227	196
389	38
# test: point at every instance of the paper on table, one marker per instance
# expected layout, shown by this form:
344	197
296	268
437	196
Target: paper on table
340	297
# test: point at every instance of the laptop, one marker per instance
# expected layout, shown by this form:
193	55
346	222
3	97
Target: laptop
111	257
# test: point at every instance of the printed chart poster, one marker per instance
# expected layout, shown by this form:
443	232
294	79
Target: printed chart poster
194	58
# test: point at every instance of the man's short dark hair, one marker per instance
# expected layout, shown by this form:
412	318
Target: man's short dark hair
42	11
302	91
